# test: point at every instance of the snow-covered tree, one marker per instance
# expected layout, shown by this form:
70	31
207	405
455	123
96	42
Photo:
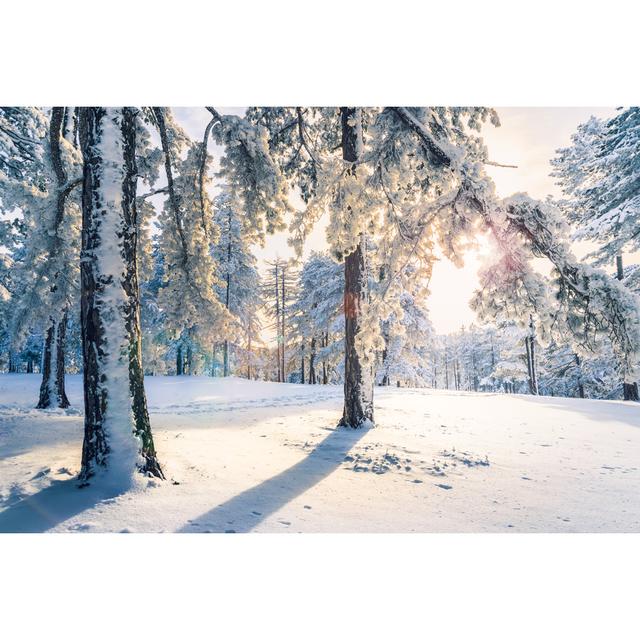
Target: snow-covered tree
117	436
408	340
47	272
187	296
238	285
279	293
599	174
600	177
317	317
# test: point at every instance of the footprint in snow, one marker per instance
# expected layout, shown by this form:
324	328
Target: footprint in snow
286	523
256	513
42	473
64	471
306	506
444	486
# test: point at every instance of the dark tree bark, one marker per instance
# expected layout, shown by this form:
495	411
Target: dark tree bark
283	310
106	224
227	294
358	376
179	361
324	364
189	360
385	353
278	339
580	384
530	344
249	355
312	363
52	390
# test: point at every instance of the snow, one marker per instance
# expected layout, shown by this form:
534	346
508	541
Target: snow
254	456
110	269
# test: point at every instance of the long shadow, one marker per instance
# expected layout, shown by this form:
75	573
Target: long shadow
245	511
51	506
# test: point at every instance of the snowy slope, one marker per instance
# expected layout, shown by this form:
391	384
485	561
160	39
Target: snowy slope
248	456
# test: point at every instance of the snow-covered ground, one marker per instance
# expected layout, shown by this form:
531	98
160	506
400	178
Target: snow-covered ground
248	456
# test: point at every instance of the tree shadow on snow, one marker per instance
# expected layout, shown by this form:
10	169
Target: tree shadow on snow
49	507
245	511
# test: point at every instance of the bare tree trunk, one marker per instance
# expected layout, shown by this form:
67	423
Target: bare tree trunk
225	366
283	310
117	430
189	360
52	390
278	339
580	383
324	363
249	355
446	366
530	344
358	375
312	362
179	361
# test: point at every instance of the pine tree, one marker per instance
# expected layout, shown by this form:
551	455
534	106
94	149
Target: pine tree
600	177
316	317
47	271
117	435
239	283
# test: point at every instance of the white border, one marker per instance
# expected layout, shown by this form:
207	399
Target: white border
315	586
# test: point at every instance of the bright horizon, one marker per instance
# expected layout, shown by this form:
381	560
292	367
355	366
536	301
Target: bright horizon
528	138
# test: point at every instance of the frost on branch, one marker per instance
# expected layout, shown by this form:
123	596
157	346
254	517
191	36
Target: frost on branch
588	301
251	173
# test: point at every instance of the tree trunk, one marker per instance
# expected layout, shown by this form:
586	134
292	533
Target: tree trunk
225	359
179	361
282	311
358	375
52	390
189	360
530	344
225	372
249	355
324	363
312	363
117	430
446	367
278	339
580	384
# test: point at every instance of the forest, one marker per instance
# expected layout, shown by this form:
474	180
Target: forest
128	253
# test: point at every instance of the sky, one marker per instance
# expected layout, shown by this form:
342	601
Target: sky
528	138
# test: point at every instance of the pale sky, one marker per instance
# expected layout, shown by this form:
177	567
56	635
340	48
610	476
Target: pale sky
527	137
